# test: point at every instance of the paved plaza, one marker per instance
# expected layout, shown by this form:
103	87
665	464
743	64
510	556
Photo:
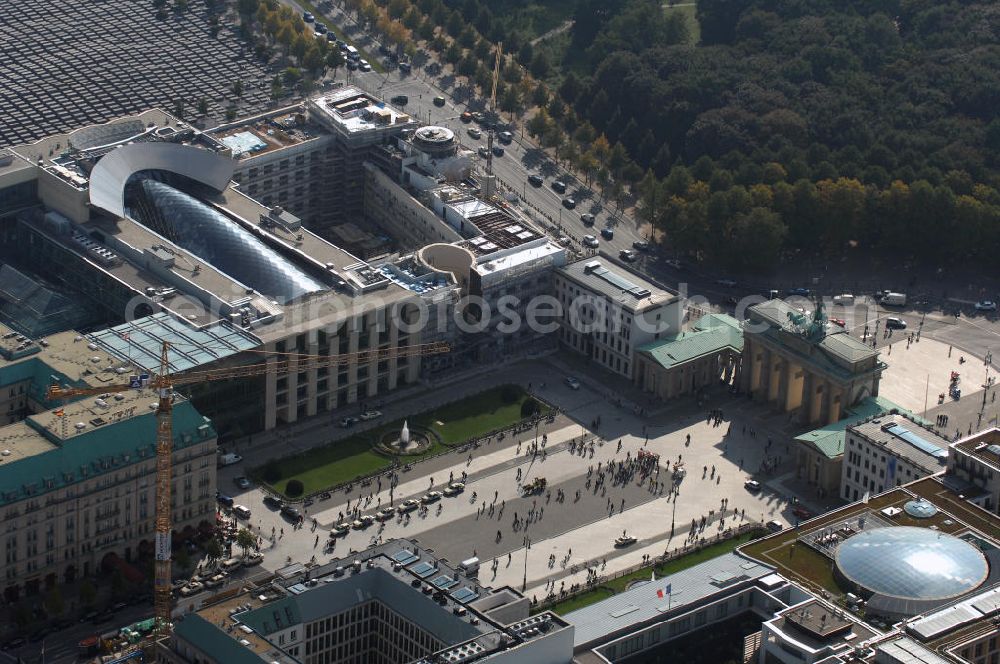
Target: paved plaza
566	535
66	65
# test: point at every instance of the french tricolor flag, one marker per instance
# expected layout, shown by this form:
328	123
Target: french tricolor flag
663	592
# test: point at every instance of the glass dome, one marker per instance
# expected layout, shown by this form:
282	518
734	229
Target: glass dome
911	563
210	236
920	509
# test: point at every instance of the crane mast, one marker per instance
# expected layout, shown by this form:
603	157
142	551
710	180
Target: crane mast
491	128
164	471
164	384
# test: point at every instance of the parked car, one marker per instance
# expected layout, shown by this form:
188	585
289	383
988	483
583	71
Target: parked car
559	186
307	17
454	489
505	137
894	323
608	233
572	383
363	522
640	245
590	241
466	117
369	415
627	255
241	512
986	305
439	100
408	505
535	180
326	495
498	150
352	65
839	322
483	151
801	292
291	512
844	299
752	485
385	514
242	482
801	512
190	589
475	132
348	422
363	65
569	202
674	263
216	581
223	499
430	497
320	29
273	502
587	219
400	100
253	559
340	529
405	67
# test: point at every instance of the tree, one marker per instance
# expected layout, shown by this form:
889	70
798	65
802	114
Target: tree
334	60
294	488
453	54
87	592
539	96
237	88
246	541
313	61
556	109
202	106
510	101
213	551
54	604
246	8
182	558
540	66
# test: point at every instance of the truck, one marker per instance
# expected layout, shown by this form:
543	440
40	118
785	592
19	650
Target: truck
229	459
890	299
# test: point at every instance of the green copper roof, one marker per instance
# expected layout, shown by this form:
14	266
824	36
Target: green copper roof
214	642
829	440
710	334
101	450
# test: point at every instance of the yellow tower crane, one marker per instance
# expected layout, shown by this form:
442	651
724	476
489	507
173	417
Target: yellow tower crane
490	130
164	384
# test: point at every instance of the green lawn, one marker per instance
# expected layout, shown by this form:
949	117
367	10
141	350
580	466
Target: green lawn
616	586
344	460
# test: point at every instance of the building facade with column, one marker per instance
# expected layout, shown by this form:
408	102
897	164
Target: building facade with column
709	352
798	364
974	468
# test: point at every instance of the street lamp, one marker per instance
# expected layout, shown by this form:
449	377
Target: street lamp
527	545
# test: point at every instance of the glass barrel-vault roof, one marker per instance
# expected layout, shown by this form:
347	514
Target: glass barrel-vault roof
215	239
912	563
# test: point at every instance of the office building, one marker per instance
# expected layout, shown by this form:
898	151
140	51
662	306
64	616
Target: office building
609	312
139	217
393	603
888	451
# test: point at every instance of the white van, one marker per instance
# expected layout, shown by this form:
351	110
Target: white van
352	53
231	564
843	298
241	511
469	566
894	299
